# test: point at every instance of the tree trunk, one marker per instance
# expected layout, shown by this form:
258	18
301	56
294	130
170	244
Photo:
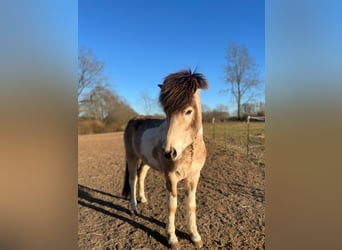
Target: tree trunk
238	110
239	102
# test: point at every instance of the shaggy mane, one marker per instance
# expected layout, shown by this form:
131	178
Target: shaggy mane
178	89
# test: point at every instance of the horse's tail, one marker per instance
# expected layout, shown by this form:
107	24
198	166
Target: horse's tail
126	191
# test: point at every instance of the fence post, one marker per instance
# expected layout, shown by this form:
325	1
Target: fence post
225	133
213	122
247	145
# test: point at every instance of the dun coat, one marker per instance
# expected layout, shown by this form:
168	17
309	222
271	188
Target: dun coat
173	145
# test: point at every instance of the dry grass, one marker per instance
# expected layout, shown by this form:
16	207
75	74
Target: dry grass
232	136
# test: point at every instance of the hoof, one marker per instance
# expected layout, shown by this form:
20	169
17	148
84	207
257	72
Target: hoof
133	212
198	244
175	246
142	201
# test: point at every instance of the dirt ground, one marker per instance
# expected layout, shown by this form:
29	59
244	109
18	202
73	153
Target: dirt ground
230	201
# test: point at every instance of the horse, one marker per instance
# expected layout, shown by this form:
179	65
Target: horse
173	145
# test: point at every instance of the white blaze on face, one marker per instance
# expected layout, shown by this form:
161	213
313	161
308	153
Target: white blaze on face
179	134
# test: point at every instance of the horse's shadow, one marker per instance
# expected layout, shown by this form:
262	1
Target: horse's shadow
87	200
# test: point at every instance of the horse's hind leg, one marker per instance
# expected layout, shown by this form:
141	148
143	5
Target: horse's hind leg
132	164
141	180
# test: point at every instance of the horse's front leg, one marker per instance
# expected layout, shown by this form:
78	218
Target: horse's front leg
172	207
191	187
141	180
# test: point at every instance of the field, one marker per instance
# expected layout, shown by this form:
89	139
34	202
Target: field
230	198
233	137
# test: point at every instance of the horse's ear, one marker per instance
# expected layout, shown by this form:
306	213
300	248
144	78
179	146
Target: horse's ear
160	85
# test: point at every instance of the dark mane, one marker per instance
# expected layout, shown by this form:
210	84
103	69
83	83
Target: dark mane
178	90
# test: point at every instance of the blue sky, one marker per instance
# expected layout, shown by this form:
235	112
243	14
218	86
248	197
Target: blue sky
143	41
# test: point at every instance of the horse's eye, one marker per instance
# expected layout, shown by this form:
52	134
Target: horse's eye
188	112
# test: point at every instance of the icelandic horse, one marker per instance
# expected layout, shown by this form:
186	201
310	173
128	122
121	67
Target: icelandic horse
173	145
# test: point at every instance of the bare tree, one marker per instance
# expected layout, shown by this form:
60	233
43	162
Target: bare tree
205	108
242	74
98	103
147	102
150	105
248	108
100	109
104	105
222	108
220	113
90	71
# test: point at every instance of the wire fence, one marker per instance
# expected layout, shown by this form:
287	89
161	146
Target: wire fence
246	138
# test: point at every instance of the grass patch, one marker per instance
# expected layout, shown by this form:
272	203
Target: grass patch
232	135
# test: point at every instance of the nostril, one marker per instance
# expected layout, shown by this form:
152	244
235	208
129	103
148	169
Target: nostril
167	155
172	154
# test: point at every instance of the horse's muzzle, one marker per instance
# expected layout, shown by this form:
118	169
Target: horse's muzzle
170	155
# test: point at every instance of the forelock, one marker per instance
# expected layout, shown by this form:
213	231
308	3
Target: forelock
178	89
